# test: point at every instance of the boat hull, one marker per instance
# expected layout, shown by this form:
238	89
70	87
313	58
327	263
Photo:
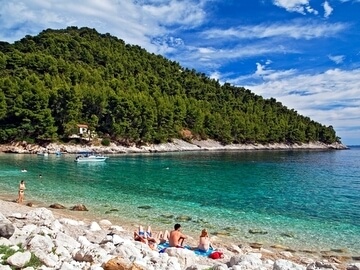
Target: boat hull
90	159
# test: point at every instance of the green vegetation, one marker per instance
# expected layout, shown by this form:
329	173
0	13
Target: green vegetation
60	78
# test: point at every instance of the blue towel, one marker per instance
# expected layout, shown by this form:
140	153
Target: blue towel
203	252
162	247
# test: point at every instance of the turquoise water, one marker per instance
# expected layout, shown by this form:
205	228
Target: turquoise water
301	199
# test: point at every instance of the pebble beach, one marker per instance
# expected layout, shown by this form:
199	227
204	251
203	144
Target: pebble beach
64	239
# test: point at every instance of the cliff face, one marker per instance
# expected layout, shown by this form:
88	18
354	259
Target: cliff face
175	146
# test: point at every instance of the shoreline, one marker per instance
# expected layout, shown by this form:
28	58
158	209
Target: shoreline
338	258
218	240
176	145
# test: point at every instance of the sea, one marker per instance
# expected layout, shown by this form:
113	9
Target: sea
305	200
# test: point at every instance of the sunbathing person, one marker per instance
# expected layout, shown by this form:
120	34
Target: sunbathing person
143	236
148	238
204	241
176	238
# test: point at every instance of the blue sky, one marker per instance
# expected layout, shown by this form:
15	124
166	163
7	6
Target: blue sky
303	53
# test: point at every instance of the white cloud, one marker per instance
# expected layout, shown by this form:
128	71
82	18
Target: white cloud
328	9
297	29
330	97
300	6
211	57
337	59
132	21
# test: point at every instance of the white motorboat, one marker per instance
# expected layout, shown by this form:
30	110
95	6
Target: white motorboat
41	153
90	158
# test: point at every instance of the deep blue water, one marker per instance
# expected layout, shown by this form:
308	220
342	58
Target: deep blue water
313	196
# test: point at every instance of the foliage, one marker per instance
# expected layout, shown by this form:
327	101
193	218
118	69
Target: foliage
105	142
53	81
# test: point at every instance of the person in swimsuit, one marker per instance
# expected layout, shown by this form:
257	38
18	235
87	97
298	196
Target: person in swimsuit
148	237
204	241
176	238
144	236
21	192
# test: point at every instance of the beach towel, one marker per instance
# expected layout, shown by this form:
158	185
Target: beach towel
162	247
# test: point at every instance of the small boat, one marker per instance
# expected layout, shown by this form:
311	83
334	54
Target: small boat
90	158
45	154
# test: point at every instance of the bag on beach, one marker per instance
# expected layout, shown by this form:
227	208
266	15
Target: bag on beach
216	255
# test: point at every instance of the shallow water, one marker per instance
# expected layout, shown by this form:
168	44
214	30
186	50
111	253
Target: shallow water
301	199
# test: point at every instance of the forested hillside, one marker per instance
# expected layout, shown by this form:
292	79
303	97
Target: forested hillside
52	82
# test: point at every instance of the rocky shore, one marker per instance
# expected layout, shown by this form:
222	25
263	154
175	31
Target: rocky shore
175	145
38	238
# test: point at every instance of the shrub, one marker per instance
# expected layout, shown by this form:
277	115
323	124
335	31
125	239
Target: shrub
105	142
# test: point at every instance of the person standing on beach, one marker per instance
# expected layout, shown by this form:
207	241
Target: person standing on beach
176	238
21	192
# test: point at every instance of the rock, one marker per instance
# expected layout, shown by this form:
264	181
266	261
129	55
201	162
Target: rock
146	207
30	204
40	242
42	216
257	231
6	267
290	235
5	242
79	207
105	223
6	230
57	206
118	263
287	265
183	218
94	226
256	245
185	257
66	241
286	254
355	266
19	259
247	261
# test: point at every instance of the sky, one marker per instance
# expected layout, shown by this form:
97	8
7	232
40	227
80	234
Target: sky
303	53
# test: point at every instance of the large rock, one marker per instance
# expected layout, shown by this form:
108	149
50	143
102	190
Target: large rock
119	263
6	230
19	259
39	242
40	216
185	257
287	265
57	206
247	261
79	207
92	254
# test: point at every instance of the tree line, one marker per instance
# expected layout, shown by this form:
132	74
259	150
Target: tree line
60	78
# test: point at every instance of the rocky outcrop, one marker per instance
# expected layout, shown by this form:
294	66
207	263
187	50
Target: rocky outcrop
175	145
